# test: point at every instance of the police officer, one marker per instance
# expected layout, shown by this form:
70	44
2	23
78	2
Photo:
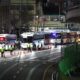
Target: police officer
31	46
11	49
39	46
28	47
36	43
2	50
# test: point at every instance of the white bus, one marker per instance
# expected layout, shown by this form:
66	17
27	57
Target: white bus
26	37
38	39
8	41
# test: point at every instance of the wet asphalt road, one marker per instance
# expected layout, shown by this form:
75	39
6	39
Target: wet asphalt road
38	66
31	70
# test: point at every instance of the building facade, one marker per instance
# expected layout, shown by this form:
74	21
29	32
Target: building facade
27	13
15	13
72	10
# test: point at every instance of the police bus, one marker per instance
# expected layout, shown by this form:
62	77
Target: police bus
56	37
38	40
26	38
7	41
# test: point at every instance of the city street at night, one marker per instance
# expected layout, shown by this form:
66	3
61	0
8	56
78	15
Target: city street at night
39	39
38	65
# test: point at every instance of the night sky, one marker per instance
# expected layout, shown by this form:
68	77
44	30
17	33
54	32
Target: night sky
52	7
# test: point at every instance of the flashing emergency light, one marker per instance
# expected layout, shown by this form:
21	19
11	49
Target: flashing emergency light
54	35
2	38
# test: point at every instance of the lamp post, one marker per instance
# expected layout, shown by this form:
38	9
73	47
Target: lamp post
37	22
20	12
59	12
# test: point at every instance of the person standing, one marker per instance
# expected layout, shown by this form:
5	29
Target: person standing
28	47
36	43
31	47
34	46
2	50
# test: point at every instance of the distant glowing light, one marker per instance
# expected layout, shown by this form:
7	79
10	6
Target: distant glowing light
54	34
2	38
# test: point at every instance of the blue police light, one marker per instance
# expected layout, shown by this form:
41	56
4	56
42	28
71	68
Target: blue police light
54	35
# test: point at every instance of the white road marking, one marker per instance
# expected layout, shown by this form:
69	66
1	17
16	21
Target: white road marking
31	72
8	69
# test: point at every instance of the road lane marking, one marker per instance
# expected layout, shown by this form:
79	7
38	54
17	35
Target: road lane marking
54	76
31	72
46	72
7	70
54	58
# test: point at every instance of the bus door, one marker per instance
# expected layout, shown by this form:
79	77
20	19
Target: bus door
29	39
64	38
55	39
11	42
46	39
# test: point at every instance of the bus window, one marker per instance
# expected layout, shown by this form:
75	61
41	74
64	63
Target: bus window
11	39
24	40
27	40
30	39
38	40
47	39
38	37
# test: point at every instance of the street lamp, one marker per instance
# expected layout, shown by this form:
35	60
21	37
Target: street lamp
37	24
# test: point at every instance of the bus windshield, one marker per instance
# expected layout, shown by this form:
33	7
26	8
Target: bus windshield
37	37
55	38
29	39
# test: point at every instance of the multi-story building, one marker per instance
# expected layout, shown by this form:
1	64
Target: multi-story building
50	13
73	10
15	13
18	13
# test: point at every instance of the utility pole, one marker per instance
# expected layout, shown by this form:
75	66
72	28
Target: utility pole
59	11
